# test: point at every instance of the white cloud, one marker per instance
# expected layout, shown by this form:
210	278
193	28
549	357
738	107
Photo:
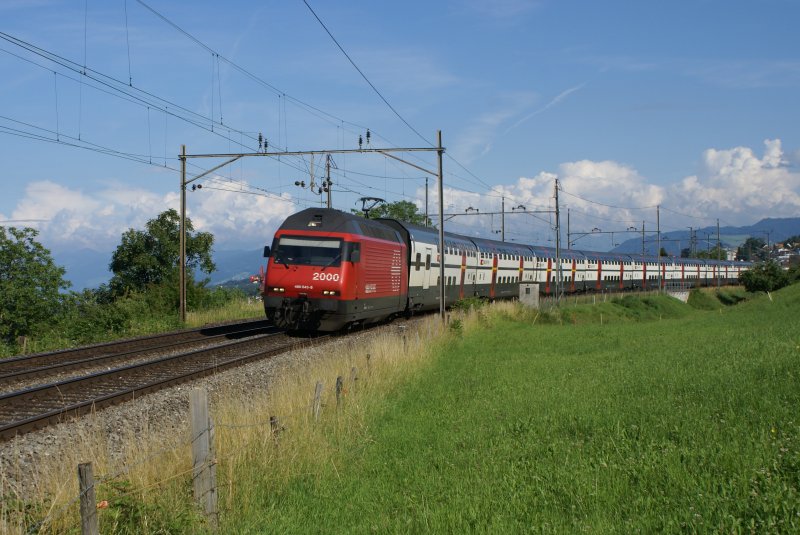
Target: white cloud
240	220
96	219
735	185
742	187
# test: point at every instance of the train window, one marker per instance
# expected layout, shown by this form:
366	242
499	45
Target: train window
418	261
428	263
301	250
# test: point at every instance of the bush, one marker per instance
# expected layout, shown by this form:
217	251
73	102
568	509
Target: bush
469	303
794	274
87	318
764	277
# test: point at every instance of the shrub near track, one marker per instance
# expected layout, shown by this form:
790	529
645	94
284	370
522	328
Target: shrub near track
686	424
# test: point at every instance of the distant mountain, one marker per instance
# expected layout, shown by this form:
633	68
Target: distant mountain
86	268
706	237
236	265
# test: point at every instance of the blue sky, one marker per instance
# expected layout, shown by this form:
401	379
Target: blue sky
690	105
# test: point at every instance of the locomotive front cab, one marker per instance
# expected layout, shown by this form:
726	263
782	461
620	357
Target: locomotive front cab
307	276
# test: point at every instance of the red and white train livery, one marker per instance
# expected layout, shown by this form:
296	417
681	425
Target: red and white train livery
328	269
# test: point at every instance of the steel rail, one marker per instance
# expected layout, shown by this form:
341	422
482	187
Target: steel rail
10	365
54	400
71	365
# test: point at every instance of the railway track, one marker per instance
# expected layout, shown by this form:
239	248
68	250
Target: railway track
27	367
33	408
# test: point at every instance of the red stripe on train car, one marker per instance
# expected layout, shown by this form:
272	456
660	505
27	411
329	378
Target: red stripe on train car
463	272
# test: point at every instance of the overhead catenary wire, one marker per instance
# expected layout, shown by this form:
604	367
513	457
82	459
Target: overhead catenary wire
139	97
131	94
329	117
364	76
128	43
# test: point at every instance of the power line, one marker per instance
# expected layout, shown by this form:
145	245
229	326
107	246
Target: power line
310	108
141	97
353	63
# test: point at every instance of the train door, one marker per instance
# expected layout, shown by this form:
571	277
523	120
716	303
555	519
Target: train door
426	278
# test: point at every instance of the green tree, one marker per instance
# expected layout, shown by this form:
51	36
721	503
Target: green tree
150	257
717	253
400	210
30	283
764	277
752	250
794	274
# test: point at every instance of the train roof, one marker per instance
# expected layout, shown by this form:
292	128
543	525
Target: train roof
330	220
500	247
606	256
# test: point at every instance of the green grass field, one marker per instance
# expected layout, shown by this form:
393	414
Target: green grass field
664	418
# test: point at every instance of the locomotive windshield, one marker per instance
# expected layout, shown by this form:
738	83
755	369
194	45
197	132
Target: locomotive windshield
301	250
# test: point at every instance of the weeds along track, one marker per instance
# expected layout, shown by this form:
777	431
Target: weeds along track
33	408
25	368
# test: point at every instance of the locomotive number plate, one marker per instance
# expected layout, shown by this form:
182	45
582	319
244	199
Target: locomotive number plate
325	277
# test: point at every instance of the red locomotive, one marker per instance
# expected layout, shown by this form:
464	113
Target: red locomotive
317	278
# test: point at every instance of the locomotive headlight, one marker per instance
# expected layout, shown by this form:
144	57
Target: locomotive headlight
277	289
330	292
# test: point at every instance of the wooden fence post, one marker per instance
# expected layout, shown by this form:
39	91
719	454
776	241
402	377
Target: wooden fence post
317	396
273	425
90	524
339	386
204	466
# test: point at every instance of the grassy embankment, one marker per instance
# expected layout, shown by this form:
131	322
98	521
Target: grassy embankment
686	424
660	418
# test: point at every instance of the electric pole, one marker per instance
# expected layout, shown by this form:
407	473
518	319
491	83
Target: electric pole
658	232
719	250
558	247
439	152
643	251
182	260
328	178
503	220
569	237
426	202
